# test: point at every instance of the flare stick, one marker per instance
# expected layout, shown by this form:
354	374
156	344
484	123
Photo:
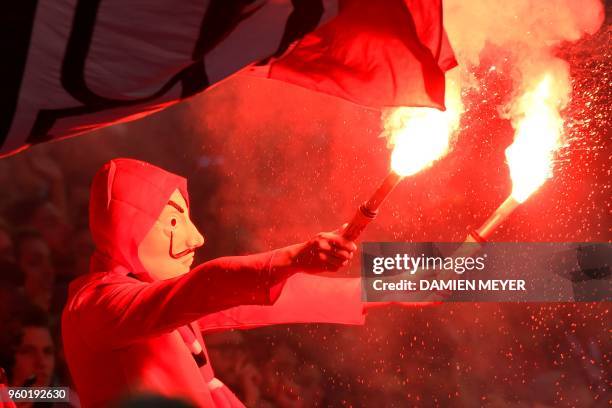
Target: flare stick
368	210
479	236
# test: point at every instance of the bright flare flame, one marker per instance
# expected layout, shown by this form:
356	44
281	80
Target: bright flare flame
421	136
537	137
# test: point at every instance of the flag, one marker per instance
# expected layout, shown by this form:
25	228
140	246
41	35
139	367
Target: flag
374	53
72	67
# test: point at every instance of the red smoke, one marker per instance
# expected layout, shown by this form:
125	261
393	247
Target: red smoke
298	162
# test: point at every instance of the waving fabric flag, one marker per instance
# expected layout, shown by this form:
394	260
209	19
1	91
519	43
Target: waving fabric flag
375	53
73	66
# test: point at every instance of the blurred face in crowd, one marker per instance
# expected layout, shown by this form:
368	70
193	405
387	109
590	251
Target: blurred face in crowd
168	248
34	259
229	360
35	356
6	246
280	378
310	380
48	220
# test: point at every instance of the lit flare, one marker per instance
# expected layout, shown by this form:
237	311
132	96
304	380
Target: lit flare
421	136
538	136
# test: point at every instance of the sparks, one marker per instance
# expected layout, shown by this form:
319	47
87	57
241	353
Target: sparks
538	136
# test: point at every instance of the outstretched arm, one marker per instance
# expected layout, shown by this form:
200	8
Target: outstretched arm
304	299
116	309
131	310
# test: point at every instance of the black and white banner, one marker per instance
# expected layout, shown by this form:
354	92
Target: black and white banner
71	66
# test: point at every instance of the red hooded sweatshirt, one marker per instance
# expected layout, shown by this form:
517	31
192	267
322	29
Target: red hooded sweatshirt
124	332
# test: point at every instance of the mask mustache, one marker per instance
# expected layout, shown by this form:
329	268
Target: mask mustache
179	254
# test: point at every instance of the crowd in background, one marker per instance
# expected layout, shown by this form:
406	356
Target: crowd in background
416	357
45	243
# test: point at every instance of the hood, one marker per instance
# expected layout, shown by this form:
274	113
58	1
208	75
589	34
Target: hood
126	199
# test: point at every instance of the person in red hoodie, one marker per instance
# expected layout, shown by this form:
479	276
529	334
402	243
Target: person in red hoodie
134	323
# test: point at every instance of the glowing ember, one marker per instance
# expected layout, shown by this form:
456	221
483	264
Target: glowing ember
421	136
538	136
